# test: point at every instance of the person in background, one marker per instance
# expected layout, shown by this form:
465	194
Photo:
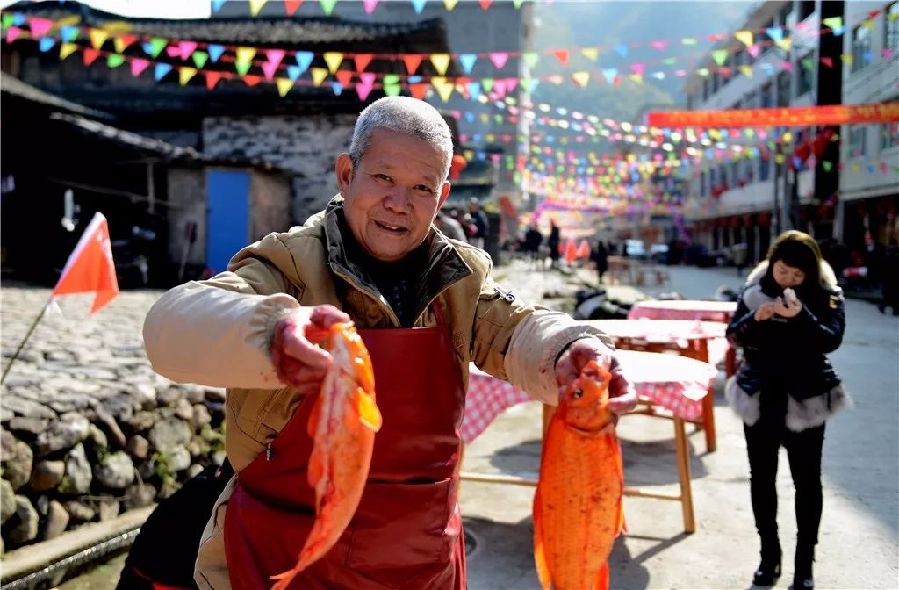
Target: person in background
479	224
890	278
532	241
449	226
554	243
789	317
425	307
600	257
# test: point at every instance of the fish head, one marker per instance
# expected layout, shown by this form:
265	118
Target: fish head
585	404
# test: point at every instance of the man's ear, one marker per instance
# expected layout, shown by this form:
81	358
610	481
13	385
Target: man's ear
343	169
444	193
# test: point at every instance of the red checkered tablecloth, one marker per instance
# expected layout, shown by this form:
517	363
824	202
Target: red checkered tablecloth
683	309
674	382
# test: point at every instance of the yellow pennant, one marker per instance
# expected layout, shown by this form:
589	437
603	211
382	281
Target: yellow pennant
582	78
746	71
591	53
120	44
98	37
67	49
444	88
284	85
636	78
744	37
256	6
318	75
785	44
333	59
450	4
441	62
185	74
245	54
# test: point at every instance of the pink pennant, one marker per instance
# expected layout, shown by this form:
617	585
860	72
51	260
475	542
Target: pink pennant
12	33
363	88
362	60
660	45
499	59
369	5
888	53
269	68
89	55
754	50
638	68
173	51
212	78
511	83
274	55
138	65
786	65
827	61
499	87
186	48
40	26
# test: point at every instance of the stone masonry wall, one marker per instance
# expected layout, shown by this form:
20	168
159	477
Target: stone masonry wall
305	146
88	430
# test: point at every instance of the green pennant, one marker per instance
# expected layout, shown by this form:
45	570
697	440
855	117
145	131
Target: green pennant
720	56
669	61
828	166
391	89
7	19
517	3
807	63
115	60
530	58
242	66
200	58
157	45
487	84
327	6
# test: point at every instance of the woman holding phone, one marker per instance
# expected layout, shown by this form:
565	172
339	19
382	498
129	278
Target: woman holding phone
789	317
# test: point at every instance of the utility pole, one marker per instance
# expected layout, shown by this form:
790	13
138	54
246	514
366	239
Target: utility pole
829	91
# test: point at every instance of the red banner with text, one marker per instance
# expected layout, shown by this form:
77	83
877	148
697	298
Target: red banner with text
779	117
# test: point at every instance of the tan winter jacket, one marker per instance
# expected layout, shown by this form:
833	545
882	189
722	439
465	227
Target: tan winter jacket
218	332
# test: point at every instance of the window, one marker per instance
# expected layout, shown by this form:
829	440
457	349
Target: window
861	47
891	28
889	135
858	139
805	74
783	89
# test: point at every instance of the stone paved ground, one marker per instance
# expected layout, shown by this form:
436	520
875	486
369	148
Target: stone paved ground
859	530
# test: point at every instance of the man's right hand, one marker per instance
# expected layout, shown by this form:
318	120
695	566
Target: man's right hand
298	361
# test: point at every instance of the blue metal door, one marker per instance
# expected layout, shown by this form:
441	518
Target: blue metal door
227	217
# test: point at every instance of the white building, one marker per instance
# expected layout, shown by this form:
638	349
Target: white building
869	180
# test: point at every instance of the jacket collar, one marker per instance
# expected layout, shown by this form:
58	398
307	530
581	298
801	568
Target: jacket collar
828	277
444	266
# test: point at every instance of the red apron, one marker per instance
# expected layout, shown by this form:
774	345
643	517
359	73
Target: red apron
407	530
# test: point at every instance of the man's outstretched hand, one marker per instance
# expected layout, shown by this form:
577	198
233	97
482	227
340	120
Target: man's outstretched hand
299	362
622	394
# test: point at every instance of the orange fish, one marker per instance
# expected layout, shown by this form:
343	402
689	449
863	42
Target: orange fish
342	425
577	508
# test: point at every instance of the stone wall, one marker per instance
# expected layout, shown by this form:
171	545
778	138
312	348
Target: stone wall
305	146
88	429
269	204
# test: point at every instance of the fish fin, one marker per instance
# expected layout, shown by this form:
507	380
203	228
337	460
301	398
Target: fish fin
368	410
539	555
284	579
602	578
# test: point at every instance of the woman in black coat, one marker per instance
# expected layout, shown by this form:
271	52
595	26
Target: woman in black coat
789	316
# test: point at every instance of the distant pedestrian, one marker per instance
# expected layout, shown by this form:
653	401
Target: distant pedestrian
600	257
789	316
555	239
532	241
890	279
449	226
480	226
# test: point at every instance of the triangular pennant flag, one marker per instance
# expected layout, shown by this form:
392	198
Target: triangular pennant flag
115	60
419	91
622	49
485	4
412	61
185	74
173	51
304	60
487	84
161	70
660	44
89	55
40	26
269	69
785	44
215	51
67	49
68	33
581	78
638	68
362	60
363	88
441	62
467	60
90	268
499	59
530	58
46	44
199	58
98	37
392	85
138	65
274	55
186	48
637	78
251	80
689	41
754	50
450	4
774	33
7	19
344	77
217	5
746	71
318	75
242	67
333	59
284	85
291	6
256	6
154	46
419	5
720	56
835	24
327	6
444	89
744	37
245	54
610	74
123	42
517	3
293	72
337	88
562	56
212	78
591	53
369	6
474	90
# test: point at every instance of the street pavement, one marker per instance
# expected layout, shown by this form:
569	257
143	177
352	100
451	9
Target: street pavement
858	547
858	538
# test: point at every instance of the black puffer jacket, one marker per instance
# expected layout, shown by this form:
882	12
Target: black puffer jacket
783	354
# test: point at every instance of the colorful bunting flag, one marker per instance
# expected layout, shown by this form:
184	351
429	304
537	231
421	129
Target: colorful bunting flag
40	26
412	61
212	78
744	37
591	53
68	33
364	87
581	78
199	58
333	59
185	74
46	44
161	70
284	85
485	4
256	6
97	37
499	59
327	6
450	4
562	56
215	51
419	5
441	62
67	49
369	6
720	56
318	75
89	55
304	60
291	6
123	42
138	65
530	58
362	60
467	60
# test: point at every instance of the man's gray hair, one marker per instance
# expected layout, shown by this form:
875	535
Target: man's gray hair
402	114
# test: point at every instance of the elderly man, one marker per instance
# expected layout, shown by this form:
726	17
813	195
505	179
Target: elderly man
426	307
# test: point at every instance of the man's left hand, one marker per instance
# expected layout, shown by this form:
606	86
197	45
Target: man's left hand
622	394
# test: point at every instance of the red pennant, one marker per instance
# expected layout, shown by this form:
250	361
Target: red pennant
362	60
570	251
89	55
345	77
562	56
291	6
419	91
412	62
485	4
827	61
90	268
212	78
252	80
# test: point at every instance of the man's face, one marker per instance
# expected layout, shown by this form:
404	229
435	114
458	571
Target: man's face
391	199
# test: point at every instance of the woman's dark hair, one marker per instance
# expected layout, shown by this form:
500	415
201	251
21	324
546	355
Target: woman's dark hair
799	250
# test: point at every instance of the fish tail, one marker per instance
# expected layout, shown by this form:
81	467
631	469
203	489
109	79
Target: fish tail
602	578
284	579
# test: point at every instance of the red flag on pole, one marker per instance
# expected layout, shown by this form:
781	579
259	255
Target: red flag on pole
570	251
90	268
583	250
